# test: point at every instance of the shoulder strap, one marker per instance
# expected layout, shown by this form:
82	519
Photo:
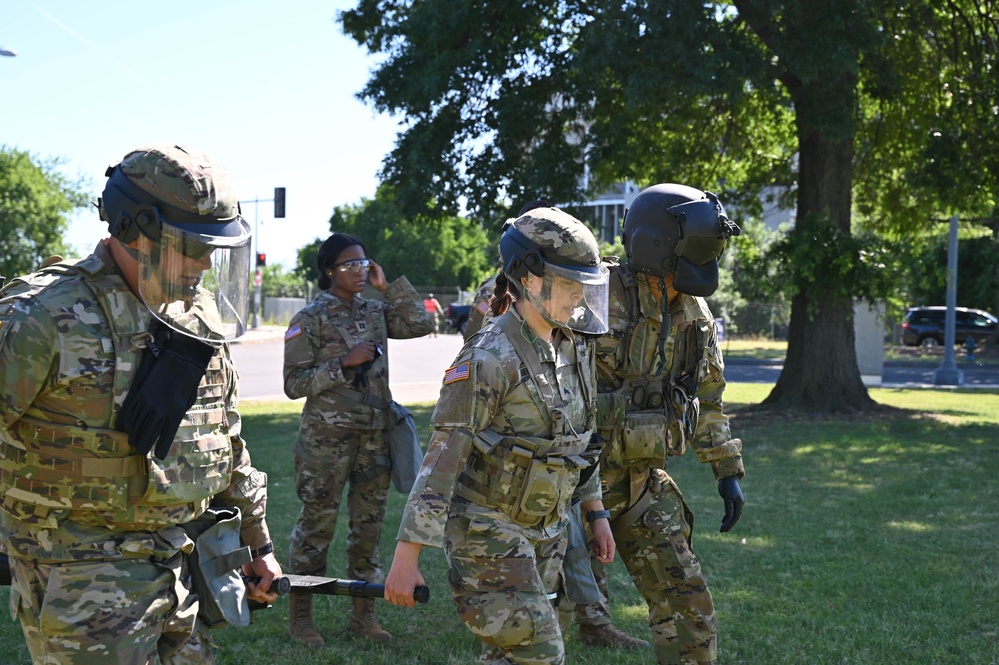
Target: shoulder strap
630	287
528	355
361	398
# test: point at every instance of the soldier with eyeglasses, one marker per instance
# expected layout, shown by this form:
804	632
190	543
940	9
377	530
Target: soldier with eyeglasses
334	356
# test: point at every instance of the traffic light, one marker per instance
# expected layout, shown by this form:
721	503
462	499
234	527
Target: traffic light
261	259
278	202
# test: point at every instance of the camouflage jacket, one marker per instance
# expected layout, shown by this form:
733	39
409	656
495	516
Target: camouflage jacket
627	364
68	351
326	329
489	387
479	314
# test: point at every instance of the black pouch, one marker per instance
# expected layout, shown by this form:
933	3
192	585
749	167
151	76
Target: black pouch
164	388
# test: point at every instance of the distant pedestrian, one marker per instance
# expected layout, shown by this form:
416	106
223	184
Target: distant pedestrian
435	311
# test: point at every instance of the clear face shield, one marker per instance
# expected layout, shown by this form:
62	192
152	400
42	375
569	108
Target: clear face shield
197	284
571	298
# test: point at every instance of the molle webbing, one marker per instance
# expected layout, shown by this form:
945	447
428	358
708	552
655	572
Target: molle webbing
75	478
497	465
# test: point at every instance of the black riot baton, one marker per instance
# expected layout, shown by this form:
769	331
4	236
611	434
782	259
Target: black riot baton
332	586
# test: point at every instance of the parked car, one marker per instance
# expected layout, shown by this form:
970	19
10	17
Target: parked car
457	316
924	326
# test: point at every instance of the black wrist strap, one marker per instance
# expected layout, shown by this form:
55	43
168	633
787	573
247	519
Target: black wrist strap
266	548
594	515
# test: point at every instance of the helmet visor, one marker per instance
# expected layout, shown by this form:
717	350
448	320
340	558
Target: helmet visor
197	284
702	237
571	298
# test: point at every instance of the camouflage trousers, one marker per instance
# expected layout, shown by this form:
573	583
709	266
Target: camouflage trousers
657	553
320	487
133	611
499	580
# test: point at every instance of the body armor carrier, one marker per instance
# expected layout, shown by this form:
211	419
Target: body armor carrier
92	475
532	479
651	416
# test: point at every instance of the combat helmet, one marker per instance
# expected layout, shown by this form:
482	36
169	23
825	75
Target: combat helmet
672	229
177	212
570	289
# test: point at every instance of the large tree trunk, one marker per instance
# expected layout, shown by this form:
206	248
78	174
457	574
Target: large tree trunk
820	371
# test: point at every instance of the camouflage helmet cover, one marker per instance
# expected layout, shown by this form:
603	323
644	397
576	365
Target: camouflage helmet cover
177	212
547	235
560	250
187	189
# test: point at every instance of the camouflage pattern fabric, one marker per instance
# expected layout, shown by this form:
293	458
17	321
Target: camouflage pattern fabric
66	360
567	241
320	488
499	570
183	178
341	440
55	596
656	547
479	314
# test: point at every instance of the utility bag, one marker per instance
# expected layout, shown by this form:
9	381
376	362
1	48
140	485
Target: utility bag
215	566
405	452
578	582
404	446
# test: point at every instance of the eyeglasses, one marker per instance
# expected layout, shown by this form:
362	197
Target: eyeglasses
357	266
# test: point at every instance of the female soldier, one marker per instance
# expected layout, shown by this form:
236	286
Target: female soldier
334	356
512	439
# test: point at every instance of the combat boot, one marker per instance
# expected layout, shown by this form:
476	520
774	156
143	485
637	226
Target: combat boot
609	635
363	621
300	626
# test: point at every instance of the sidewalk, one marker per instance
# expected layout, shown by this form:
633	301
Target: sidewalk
261	334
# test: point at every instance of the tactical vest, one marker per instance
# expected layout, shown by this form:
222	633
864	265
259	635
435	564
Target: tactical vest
532	479
50	471
651	416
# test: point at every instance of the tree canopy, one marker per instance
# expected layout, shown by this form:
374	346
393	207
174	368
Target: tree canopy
859	113
35	200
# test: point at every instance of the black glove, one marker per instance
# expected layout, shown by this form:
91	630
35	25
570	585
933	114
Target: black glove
729	490
164	388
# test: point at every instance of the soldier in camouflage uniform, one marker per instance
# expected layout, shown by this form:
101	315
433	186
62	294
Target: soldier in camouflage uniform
335	356
596	627
660	388
118	421
513	433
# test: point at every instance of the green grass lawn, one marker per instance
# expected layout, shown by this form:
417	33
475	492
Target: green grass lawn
864	541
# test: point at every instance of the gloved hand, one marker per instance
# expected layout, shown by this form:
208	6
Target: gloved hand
729	490
165	387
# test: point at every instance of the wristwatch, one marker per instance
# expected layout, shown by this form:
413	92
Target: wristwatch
594	515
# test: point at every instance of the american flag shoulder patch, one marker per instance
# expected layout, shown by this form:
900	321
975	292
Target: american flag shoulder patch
482	307
293	332
459	372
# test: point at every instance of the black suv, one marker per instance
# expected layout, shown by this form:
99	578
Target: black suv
924	326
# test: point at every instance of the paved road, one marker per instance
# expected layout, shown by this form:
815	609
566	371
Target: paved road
895	374
417	365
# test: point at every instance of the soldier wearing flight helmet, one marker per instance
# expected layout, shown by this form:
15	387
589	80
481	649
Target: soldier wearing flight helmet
660	382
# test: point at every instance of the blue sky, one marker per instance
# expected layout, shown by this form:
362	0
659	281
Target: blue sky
266	88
